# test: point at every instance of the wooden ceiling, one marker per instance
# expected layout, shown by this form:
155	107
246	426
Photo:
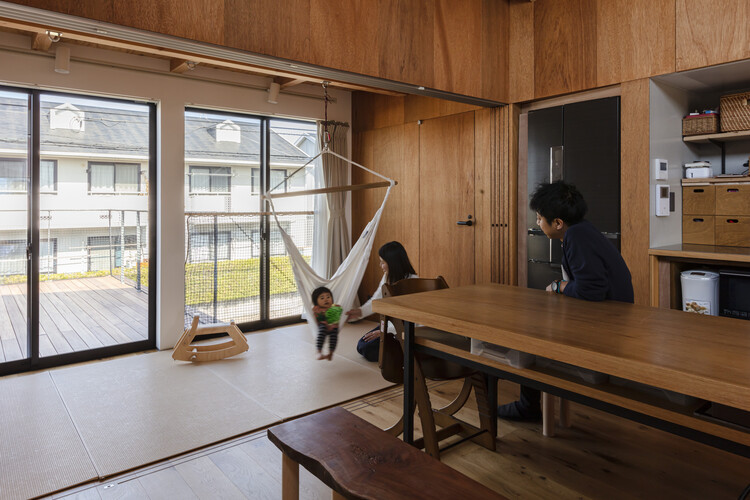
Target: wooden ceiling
180	61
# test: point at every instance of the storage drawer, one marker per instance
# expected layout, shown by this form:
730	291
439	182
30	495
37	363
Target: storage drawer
732	231
698	200
698	229
733	199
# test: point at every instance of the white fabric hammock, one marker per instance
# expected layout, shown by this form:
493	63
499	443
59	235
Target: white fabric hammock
347	278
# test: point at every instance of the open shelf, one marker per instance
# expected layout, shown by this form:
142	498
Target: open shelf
740	135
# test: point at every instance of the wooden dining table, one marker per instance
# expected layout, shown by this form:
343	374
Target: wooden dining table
705	357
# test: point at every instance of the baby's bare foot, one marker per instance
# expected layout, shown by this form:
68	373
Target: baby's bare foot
330	356
322	356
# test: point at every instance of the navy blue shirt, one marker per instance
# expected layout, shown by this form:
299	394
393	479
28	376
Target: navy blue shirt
596	270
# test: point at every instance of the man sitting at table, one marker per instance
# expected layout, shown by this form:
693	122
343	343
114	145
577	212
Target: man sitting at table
593	269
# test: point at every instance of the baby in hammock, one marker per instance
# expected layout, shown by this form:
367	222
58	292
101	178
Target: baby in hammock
327	314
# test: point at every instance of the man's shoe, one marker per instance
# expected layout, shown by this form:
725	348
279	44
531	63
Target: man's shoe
519	413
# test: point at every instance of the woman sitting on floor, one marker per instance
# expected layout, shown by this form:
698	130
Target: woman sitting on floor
395	264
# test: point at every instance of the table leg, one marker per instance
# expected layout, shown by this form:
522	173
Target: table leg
289	478
408	382
492	401
548	414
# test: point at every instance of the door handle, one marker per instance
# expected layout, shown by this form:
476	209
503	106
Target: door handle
466	222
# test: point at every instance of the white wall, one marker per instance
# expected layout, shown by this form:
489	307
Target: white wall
107	73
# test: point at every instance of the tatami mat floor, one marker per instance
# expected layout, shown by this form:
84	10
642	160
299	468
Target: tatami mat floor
72	425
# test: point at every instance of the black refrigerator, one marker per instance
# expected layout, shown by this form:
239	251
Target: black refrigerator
578	143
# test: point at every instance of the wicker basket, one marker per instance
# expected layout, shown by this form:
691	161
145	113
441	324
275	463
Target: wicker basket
735	112
700	124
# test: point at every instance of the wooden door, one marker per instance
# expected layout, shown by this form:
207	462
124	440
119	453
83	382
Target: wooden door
446	191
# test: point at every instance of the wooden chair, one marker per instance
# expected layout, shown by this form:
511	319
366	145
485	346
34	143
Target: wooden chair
391	362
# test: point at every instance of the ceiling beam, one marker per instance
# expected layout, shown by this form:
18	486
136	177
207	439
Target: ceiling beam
41	41
181	65
290	82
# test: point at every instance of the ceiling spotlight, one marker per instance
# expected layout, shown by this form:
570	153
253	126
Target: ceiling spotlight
55	36
273	93
62	59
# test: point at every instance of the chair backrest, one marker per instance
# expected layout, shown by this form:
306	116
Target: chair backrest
391	356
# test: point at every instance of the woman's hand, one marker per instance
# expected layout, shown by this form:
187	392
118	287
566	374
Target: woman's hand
353	314
371	335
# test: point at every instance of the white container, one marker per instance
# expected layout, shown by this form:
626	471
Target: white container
698	172
700	292
516	359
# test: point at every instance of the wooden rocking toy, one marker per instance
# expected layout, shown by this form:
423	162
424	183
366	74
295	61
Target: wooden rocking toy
184	351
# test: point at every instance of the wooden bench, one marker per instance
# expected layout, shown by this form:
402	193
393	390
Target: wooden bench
358	460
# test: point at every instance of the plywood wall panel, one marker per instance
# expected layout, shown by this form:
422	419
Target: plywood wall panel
635	39
405	41
423	108
634	182
457	46
485	194
101	10
371	111
711	32
259	26
521	51
342	34
495	19
391	151
202	21
446	195
564	46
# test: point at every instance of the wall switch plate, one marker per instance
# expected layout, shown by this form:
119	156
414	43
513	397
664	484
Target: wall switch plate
662	200
660	169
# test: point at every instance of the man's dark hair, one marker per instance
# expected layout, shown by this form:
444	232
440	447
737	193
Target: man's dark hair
318	292
399	267
559	200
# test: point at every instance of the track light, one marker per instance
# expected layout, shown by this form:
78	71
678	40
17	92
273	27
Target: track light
62	59
273	93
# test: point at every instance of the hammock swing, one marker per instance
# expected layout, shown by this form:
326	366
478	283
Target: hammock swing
345	281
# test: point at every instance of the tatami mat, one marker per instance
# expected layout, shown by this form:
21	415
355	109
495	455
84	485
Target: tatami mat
75	424
289	380
40	450
139	409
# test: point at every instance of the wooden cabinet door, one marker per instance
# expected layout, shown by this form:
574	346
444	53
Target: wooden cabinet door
446	194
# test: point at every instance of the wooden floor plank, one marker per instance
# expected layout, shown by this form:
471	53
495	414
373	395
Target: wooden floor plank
6	327
105	324
48	313
56	337
246	474
17	319
167	483
206	480
133	330
102	334
45	346
125	294
86	335
136	312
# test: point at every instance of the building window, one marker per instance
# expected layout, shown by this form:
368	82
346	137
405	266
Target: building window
278	178
114	177
14	175
210	179
202	246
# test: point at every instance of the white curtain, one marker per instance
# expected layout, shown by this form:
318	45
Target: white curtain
336	173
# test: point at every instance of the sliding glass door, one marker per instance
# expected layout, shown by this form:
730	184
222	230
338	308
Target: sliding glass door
236	266
79	277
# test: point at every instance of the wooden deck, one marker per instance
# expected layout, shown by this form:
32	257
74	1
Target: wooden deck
75	315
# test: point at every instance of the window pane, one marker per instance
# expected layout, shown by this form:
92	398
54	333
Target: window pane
12	175
127	178
200	179
255	180
47	176
102	178
12	257
277	180
220	179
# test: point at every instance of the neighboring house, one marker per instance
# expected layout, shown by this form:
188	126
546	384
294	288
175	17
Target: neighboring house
94	184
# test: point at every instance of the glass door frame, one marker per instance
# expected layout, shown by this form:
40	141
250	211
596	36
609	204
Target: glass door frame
33	361
265	219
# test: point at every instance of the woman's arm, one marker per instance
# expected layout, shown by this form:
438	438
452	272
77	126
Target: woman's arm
366	309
